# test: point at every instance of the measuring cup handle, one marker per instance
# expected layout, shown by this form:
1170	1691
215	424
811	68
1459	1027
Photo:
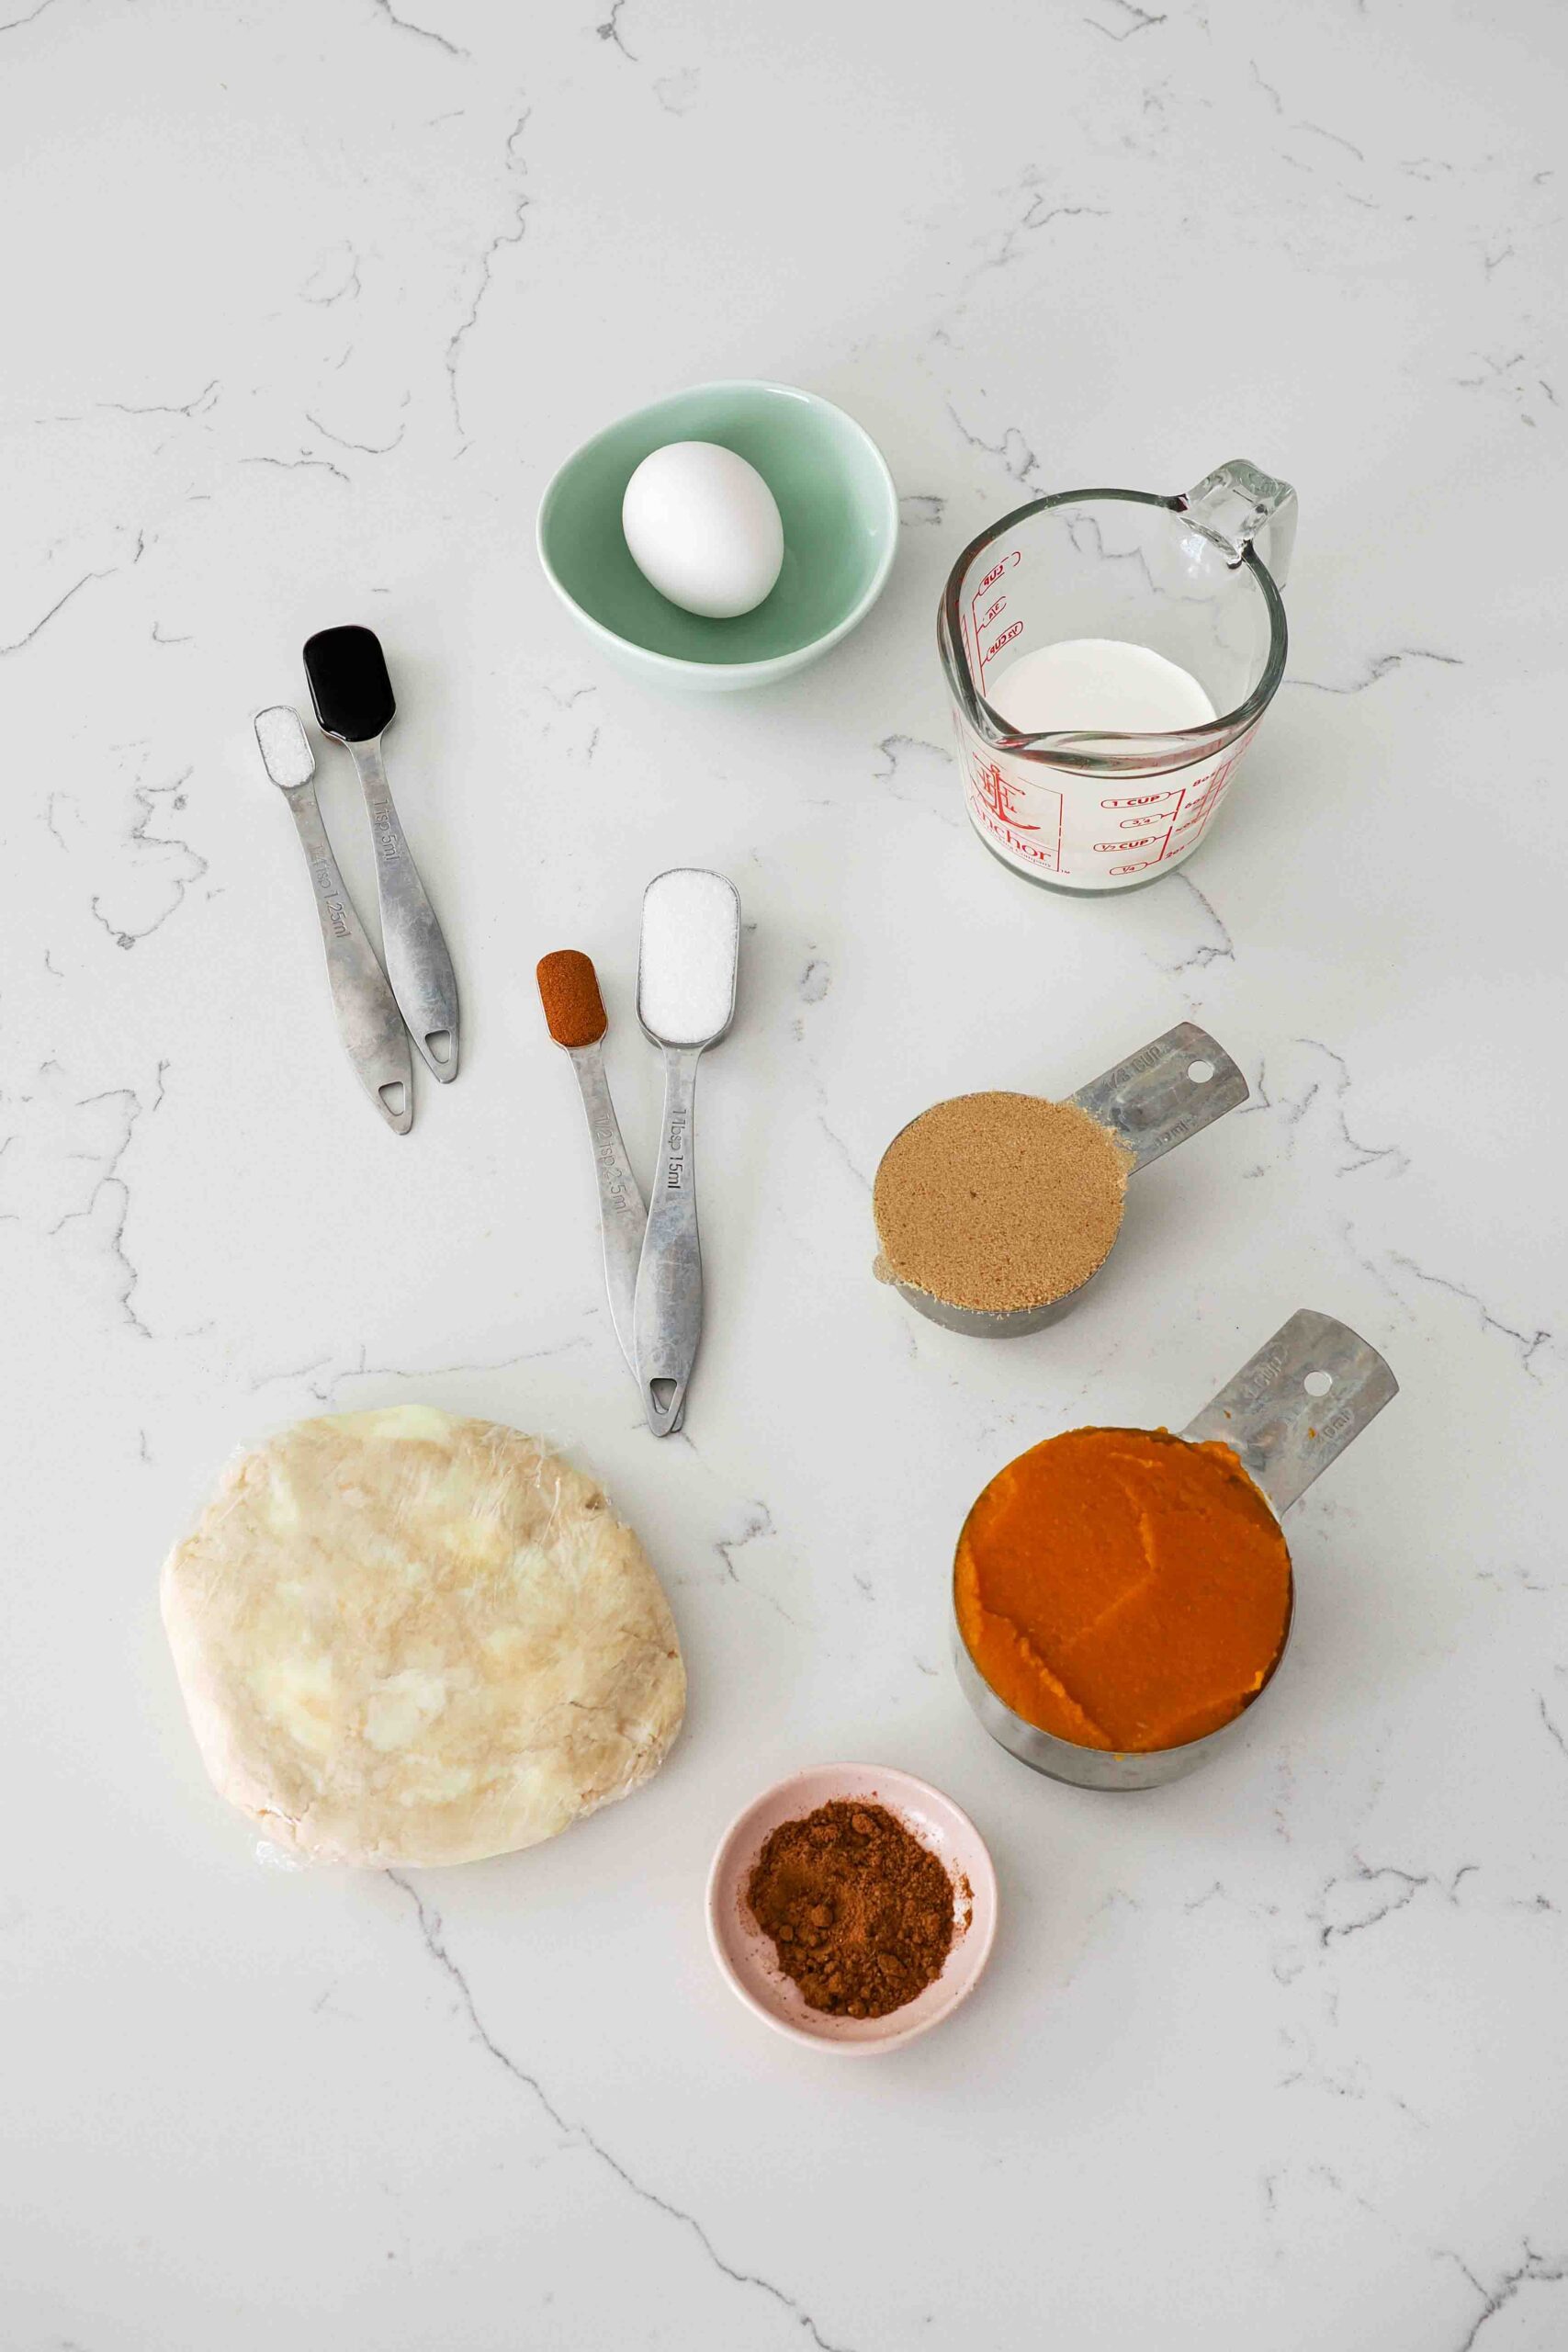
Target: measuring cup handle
1153	1100
1286	1432
1241	507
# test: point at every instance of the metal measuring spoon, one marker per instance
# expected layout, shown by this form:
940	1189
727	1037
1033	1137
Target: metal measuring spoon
355	706
685	1001
1167	1091
623	1219
1289	1413
367	1017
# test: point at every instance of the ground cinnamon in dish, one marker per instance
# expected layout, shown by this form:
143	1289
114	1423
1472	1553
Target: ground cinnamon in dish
860	1912
1123	1588
999	1201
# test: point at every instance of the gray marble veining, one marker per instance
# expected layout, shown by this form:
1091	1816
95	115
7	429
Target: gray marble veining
1272	2057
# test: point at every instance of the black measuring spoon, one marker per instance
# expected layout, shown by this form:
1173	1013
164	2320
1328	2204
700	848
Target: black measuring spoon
352	694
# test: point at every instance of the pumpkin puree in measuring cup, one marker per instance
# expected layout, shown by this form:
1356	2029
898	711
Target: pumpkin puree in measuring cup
1122	1589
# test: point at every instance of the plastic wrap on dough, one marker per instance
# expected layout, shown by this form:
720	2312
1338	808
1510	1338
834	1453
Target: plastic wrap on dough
406	1638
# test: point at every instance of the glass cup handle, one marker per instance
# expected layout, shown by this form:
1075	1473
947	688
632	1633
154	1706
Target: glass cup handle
1238	506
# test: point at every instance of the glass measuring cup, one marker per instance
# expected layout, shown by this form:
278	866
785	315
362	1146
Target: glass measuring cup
1289	1413
1195	578
1167	1090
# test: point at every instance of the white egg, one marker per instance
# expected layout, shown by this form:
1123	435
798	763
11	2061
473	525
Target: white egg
704	527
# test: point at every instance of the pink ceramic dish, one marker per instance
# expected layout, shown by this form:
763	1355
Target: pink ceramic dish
746	1956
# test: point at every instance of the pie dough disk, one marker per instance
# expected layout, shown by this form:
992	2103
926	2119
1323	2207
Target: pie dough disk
407	1638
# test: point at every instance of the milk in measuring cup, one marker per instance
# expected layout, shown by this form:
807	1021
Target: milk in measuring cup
1089	640
1099	685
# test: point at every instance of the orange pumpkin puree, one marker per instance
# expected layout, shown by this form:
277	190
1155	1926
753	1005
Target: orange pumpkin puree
1122	1589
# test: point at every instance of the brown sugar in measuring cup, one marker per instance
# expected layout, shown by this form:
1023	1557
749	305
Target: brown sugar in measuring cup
1038	1187
994	1211
1124	1597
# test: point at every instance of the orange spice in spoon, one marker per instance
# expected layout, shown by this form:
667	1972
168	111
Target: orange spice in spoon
569	990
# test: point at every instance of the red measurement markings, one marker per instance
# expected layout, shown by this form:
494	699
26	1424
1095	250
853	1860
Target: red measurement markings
1171	827
1195	804
1149	814
979	622
1206	797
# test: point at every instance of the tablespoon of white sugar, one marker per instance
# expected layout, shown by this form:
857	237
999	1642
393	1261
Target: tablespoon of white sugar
685	1001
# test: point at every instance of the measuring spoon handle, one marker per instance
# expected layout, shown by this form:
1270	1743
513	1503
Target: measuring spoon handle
1152	1101
1285	1432
668	1317
367	1019
622	1217
418	963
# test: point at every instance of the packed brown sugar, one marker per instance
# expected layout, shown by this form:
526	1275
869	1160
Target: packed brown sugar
1123	1588
999	1201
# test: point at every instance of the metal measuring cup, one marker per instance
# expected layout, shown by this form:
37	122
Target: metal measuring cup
1289	1411
1170	1089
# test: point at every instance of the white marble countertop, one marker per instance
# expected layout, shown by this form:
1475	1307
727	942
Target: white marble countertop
303	303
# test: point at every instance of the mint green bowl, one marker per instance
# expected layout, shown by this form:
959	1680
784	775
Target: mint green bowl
840	525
